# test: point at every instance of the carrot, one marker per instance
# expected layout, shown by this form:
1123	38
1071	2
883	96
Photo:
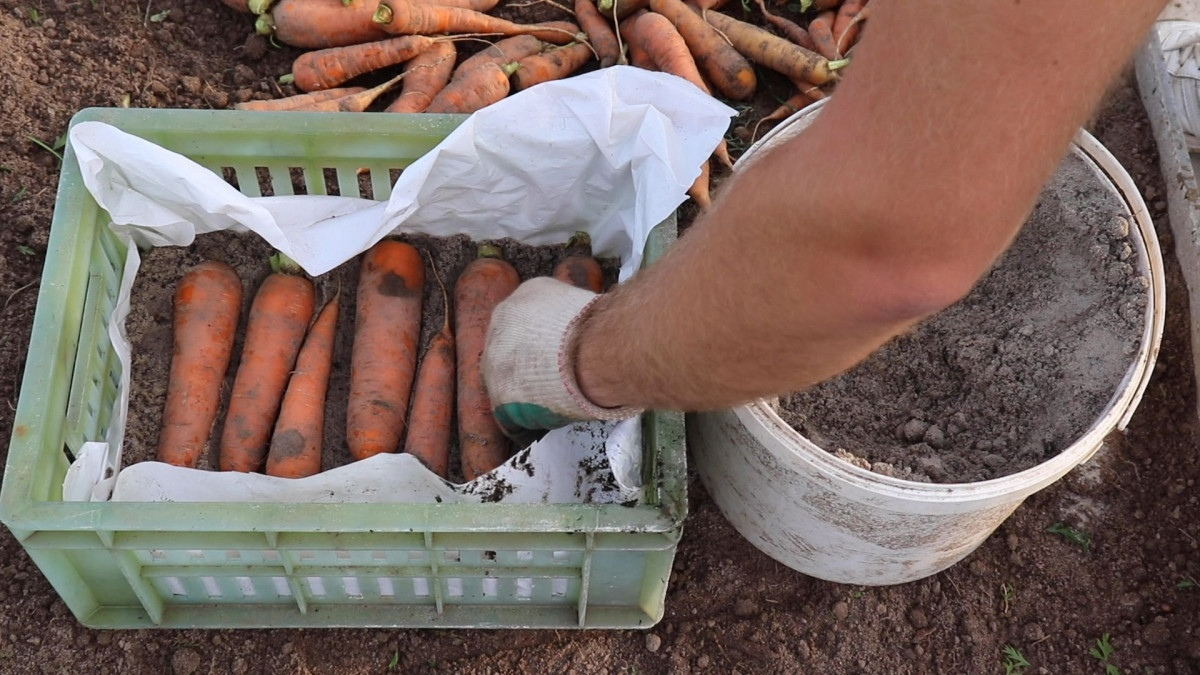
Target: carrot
427	74
790	29
848	34
844	15
552	65
208	301
797	102
278	321
239	5
657	36
599	32
383	358
767	49
699	191
470	92
502	52
432	417
295	450
820	28
299	100
724	67
356	102
637	55
318	24
482	285
579	268
710	4
327	68
619	8
411	17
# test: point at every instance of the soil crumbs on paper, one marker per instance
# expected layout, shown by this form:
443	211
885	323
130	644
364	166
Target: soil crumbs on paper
729	608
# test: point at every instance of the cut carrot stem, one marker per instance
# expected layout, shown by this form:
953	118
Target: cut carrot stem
208	302
767	49
296	442
484	283
275	329
383	358
431	421
580	268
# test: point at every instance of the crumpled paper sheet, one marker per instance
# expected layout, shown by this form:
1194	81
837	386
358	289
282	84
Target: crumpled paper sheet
611	152
1181	57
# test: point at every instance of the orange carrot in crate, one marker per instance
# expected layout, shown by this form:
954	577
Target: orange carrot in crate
550	65
820	28
327	68
208	301
412	17
431	421
357	102
724	67
298	101
275	329
318	24
502	52
580	268
599	32
383	358
480	287
425	75
790	29
765	48
295	450
473	91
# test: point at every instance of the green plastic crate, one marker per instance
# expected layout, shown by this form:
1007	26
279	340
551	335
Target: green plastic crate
184	565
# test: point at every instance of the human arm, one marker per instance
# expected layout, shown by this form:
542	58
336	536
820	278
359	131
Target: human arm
914	178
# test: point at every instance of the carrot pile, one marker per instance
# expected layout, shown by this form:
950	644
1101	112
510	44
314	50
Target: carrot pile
427	400
416	55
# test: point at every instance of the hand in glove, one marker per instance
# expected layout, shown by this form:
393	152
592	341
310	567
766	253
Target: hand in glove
529	360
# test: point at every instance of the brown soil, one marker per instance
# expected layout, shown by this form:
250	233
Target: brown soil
729	608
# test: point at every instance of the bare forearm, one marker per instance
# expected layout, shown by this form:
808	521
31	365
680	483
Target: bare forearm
912	181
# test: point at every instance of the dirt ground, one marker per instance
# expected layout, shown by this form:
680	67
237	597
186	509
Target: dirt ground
729	608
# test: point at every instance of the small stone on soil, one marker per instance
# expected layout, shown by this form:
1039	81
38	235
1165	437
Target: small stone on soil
653	642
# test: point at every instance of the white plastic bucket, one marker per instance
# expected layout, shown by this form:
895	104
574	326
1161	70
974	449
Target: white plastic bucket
830	519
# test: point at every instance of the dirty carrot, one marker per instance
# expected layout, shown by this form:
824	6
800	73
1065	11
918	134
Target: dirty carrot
357	102
599	32
820	28
797	102
208	301
580	268
637	55
724	67
295	450
275	329
299	100
425	75
327	68
383	358
767	49
502	52
475	90
318	24
412	17
554	64
847	34
481	286
431	421
790	29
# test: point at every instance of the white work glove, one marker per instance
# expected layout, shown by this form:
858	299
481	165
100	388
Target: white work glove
529	360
